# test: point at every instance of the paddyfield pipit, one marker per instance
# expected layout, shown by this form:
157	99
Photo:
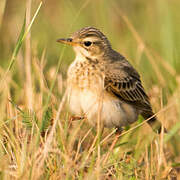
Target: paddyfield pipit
103	84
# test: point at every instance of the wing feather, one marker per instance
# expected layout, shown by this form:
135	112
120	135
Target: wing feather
124	82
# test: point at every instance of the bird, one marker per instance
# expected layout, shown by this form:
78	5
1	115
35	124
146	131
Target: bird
103	84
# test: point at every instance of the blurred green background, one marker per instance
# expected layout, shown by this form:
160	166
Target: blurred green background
156	21
147	33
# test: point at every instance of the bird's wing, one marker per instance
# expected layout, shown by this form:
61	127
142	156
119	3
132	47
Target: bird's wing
123	81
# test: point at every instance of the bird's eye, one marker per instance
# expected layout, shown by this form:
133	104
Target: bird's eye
87	43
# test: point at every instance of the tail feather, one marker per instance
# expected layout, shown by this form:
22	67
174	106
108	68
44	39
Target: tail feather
153	122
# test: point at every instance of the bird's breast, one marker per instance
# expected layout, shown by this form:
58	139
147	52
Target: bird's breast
111	111
87	97
86	75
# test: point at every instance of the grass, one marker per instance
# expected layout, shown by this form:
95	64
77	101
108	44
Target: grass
37	138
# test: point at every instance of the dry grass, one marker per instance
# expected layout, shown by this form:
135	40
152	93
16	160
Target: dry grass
37	138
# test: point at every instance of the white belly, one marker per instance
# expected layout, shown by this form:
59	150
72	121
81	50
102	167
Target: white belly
110	110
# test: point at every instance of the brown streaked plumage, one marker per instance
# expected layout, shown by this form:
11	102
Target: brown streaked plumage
100	74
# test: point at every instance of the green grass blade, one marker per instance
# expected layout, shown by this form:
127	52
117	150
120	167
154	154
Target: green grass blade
18	45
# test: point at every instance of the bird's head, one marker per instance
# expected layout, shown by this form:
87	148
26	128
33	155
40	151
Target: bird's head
88	42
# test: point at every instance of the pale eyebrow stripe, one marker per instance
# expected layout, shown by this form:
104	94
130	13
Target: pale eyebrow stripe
89	35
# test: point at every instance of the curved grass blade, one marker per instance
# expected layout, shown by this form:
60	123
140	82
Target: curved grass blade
18	45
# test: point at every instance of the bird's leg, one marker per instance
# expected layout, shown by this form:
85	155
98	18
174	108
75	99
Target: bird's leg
117	134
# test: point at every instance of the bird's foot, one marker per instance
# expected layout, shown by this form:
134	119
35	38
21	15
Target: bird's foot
117	134
119	130
76	118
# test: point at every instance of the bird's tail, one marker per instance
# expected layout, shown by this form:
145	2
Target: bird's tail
153	122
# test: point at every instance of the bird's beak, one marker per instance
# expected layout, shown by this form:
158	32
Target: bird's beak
68	41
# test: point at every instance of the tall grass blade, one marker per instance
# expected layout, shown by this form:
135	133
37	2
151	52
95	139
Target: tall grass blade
18	45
